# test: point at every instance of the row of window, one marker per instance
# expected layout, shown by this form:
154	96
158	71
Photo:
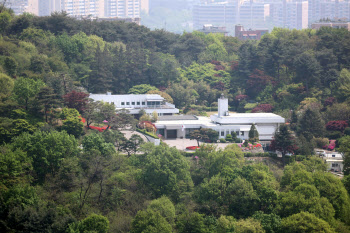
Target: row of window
227	132
132	103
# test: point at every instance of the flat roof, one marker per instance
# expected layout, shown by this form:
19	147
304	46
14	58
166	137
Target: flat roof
248	118
177	118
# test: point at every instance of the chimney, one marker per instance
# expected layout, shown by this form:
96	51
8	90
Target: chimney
222	106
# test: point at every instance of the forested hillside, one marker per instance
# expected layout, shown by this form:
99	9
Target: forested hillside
57	175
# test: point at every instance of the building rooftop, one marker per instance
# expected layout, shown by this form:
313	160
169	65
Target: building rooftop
178	118
248	118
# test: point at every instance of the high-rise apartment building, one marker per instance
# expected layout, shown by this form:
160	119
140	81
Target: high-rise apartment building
122	8
254	14
218	14
21	6
76	8
46	7
83	8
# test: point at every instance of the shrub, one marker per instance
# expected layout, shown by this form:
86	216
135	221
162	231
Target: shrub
263	108
264	154
347	131
238	140
222	140
336	125
229	138
321	142
329	101
144	131
245	143
334	134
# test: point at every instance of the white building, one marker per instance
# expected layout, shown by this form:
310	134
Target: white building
122	8
22	6
224	123
134	103
74	8
333	159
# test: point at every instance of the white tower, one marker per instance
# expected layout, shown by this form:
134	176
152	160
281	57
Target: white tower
222	106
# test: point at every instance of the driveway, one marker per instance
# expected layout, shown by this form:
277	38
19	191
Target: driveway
181	144
128	133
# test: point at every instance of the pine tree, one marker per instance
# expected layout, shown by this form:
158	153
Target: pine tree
284	142
311	125
253	134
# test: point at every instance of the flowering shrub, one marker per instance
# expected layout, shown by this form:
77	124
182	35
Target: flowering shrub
336	125
331	145
249	146
329	101
241	97
263	108
82	119
99	129
234	65
149	126
192	147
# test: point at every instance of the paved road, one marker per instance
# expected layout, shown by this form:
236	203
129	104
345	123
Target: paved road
128	133
181	144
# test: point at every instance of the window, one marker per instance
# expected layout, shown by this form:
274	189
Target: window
335	165
222	133
242	133
132	103
123	103
143	103
112	102
127	103
138	103
333	156
237	133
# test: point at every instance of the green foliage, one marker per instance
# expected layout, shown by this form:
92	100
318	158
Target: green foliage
7	84
226	224
150	221
305	222
93	223
249	225
73	125
141	89
47	150
25	89
191	222
253	134
165	207
345	148
95	141
165	172
311	124
270	222
15	167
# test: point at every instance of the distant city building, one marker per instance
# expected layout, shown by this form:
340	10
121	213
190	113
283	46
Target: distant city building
93	8
122	8
209	28
46	7
242	34
128	20
218	14
254	14
318	25
145	6
75	8
22	6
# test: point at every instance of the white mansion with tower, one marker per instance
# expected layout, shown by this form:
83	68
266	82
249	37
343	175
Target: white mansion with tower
180	126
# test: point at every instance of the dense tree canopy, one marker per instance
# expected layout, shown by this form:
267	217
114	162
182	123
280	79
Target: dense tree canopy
58	176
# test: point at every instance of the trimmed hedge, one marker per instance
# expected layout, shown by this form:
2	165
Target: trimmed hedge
265	154
143	131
